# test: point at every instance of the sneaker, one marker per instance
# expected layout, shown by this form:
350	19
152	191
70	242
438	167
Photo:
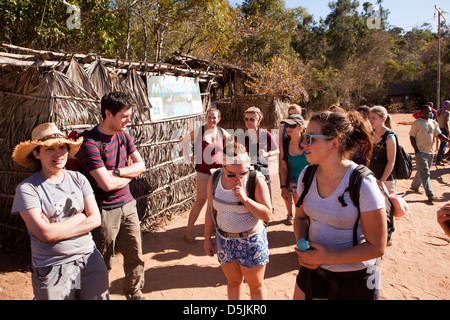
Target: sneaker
138	295
432	199
290	220
416	190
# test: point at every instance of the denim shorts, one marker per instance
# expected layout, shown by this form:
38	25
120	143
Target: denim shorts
250	252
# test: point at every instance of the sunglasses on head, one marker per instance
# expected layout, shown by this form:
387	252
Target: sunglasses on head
309	138
234	175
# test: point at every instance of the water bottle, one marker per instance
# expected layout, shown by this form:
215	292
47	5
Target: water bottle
303	245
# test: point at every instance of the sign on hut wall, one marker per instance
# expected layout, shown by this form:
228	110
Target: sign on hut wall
173	96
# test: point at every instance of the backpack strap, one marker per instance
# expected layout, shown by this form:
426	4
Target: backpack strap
354	185
308	177
215	179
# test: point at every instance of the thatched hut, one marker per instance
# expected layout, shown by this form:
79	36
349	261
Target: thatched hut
37	87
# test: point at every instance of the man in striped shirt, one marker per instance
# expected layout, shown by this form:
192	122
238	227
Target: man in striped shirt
110	166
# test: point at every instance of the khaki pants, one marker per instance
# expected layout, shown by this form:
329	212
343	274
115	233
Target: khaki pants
85	278
121	227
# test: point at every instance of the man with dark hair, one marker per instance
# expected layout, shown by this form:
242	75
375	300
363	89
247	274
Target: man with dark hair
421	135
110	166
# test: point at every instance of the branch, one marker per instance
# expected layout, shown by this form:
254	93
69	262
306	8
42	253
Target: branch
91	13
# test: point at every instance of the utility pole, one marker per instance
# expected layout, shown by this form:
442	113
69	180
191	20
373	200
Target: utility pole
438	95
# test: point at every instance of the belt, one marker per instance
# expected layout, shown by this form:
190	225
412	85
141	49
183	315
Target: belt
245	234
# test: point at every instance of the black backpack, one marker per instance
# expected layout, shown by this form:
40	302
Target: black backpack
357	176
403	160
74	163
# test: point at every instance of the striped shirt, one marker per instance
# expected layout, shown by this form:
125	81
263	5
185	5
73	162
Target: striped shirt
116	151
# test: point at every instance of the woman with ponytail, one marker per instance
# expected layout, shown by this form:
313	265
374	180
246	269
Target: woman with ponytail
336	268
385	148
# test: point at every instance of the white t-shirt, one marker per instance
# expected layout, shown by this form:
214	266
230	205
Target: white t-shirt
424	131
331	224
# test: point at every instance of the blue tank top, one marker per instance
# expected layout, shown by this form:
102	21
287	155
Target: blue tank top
298	163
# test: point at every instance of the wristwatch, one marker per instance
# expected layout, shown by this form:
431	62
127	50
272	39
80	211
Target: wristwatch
117	172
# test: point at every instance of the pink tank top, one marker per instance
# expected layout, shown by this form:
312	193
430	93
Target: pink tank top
211	155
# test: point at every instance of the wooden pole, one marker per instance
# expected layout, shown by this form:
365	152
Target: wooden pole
438	93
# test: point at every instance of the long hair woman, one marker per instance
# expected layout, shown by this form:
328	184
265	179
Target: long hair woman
336	268
208	144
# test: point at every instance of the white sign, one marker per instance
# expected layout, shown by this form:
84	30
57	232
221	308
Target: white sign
173	96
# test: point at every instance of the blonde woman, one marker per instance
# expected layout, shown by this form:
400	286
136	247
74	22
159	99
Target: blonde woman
384	151
240	235
59	210
260	143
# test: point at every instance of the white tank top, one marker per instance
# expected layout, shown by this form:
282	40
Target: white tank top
231	217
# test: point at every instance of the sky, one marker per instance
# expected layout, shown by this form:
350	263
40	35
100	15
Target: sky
405	14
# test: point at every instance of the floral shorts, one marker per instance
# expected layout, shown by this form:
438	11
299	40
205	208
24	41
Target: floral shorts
249	252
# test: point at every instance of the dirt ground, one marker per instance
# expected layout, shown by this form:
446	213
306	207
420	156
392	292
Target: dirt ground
415	267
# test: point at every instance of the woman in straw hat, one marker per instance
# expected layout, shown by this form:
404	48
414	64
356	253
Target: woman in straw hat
59	209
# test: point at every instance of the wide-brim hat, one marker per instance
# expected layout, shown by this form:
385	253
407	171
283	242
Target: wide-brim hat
46	134
294	119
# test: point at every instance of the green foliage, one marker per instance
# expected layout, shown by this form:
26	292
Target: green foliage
338	59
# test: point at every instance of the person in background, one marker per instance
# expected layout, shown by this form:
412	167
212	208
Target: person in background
282	136
240	236
337	268
443	218
443	119
384	152
361	154
208	144
421	135
59	210
293	160
110	172
260	143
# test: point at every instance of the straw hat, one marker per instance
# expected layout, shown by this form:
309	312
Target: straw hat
46	134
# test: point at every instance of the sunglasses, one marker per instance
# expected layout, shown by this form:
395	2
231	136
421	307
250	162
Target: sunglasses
250	119
52	136
234	175
308	138
291	126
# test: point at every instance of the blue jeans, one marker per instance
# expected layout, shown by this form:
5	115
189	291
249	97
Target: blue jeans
442	147
423	165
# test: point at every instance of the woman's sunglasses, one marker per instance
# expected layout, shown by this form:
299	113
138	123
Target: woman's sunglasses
234	175
291	126
250	119
308	138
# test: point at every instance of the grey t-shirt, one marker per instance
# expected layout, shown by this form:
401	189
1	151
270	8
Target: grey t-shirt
331	224
58	202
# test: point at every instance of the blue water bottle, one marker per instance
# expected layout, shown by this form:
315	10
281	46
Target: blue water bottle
303	245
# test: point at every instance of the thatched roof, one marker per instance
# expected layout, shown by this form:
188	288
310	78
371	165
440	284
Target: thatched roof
38	86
